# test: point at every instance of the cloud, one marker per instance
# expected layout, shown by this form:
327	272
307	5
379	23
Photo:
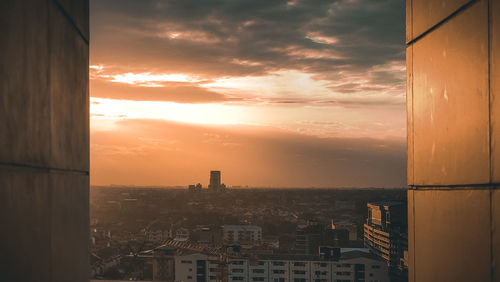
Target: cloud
177	92
221	38
166	153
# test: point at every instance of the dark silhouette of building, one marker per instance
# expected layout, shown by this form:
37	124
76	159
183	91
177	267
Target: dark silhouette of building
215	181
385	232
195	188
44	141
453	83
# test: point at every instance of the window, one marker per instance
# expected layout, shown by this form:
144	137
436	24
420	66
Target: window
299	280
186	261
237	278
278	271
258	270
299	272
258	279
278	263
238	262
238	270
299	264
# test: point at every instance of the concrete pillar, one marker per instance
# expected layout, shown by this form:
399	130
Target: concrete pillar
453	107
44	140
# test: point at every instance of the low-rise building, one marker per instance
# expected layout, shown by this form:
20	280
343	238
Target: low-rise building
181	235
242	234
159	232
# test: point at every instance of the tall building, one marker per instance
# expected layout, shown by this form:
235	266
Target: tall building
453	107
44	141
215	181
385	231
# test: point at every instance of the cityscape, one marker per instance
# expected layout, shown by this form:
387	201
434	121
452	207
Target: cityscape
223	233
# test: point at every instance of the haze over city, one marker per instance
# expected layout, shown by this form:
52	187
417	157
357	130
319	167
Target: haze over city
272	93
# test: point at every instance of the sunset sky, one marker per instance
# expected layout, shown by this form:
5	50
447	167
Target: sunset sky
295	93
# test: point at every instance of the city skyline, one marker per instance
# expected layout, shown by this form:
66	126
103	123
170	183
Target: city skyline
274	93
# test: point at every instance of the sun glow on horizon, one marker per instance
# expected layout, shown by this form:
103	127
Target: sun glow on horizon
214	114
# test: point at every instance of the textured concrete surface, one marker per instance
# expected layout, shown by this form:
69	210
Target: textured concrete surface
44	146
23	76
68	95
495	232
450	226
450	106
495	88
453	164
409	113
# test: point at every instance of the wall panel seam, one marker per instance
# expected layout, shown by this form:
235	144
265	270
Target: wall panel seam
44	168
432	28
452	188
68	17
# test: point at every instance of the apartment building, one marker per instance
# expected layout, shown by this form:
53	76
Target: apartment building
351	266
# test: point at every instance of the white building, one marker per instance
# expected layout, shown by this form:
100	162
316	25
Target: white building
181	235
193	266
242	234
352	266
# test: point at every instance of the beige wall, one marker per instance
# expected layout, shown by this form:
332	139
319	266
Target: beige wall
453	130
44	140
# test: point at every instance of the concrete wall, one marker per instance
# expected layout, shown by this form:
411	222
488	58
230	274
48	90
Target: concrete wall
453	107
44	140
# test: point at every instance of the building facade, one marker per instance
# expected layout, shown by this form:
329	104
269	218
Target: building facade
385	231
453	114
198	267
352	266
242	234
44	140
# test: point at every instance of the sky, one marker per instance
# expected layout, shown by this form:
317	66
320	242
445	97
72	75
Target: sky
298	93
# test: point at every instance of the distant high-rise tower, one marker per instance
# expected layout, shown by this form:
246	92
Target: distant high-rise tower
215	182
